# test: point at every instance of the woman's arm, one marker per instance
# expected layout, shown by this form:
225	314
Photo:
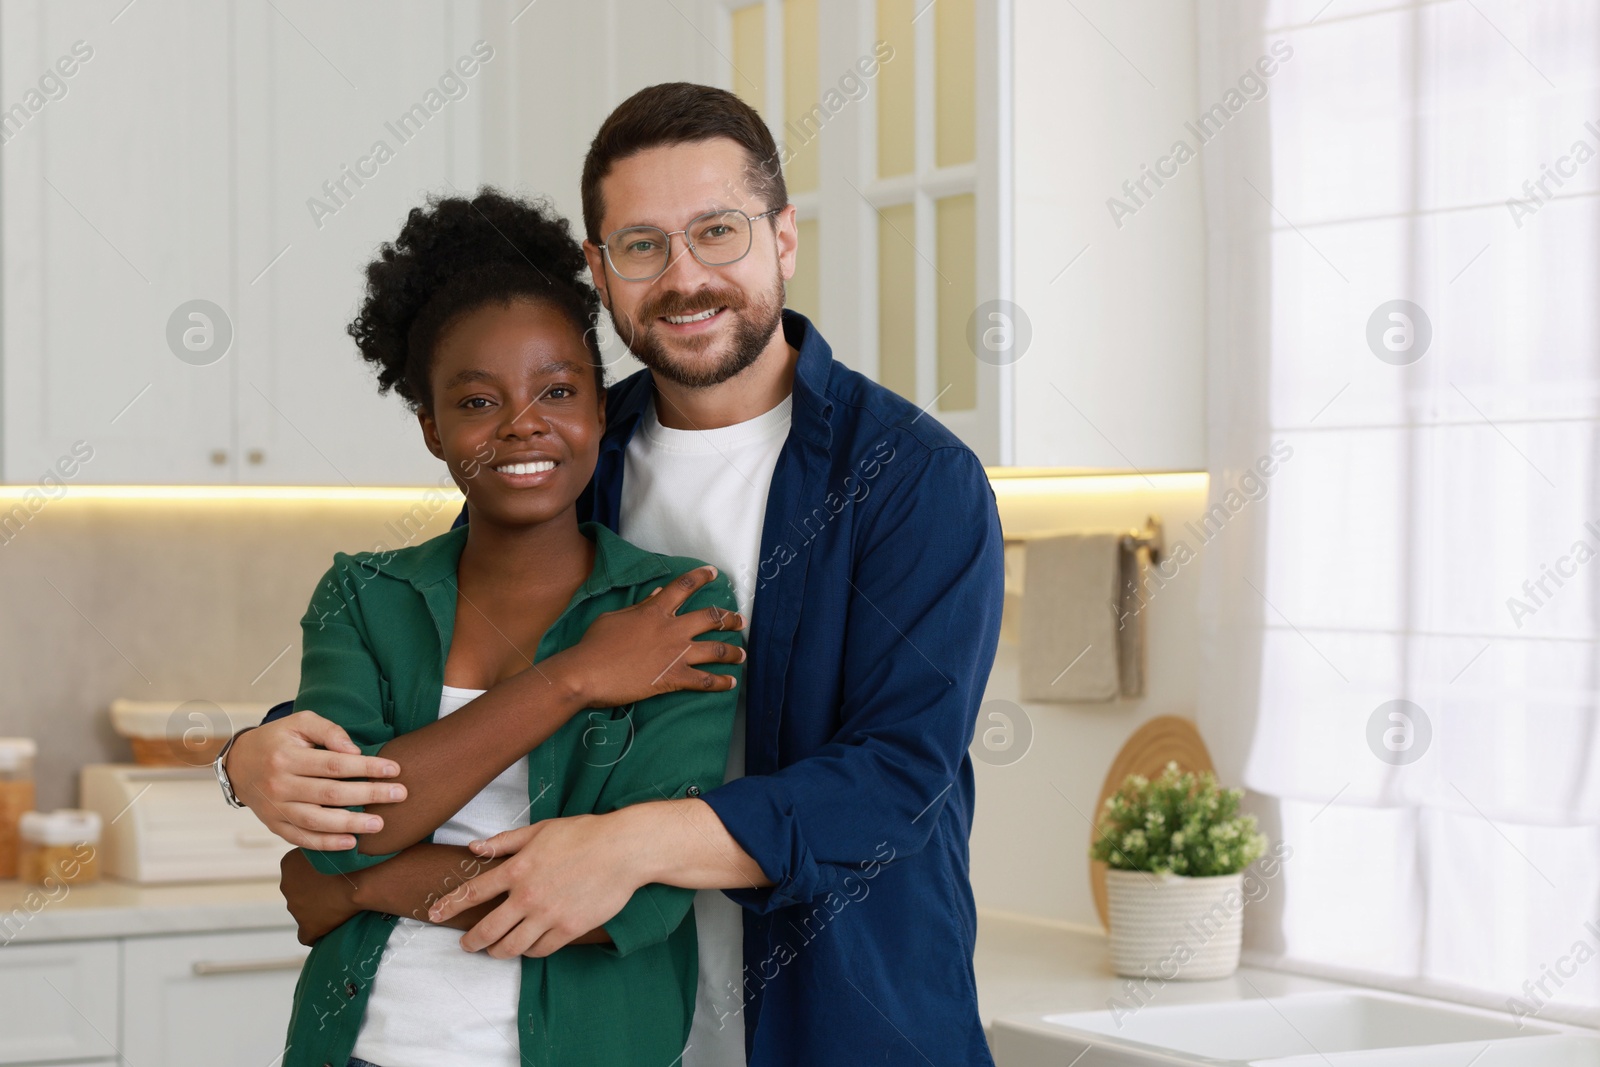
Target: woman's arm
448	762
406	885
295	788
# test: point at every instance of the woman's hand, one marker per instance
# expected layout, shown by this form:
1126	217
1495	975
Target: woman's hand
319	902
648	648
288	772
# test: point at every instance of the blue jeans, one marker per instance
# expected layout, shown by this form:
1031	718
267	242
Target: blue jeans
359	1063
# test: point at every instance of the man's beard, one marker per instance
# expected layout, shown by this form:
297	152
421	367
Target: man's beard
754	322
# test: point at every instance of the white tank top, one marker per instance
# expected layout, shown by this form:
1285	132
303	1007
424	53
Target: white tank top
433	1004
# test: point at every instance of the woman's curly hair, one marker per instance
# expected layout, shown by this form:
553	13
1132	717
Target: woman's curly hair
456	255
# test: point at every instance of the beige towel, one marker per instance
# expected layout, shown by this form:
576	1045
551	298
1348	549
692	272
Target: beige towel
1082	637
1130	621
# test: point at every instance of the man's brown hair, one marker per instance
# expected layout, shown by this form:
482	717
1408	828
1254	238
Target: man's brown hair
679	113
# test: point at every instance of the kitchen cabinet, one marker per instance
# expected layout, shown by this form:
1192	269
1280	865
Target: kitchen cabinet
191	1000
186	221
125	975
1114	376
208	1000
333	151
990	283
59	1001
115	210
227	151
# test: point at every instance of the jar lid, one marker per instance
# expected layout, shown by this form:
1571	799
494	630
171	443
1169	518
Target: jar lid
65	826
15	751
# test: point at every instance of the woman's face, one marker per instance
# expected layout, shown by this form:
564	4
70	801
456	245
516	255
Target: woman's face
515	411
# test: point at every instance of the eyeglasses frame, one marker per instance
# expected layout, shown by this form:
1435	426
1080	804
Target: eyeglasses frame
605	242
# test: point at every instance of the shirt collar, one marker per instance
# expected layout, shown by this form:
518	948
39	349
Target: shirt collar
617	563
812	408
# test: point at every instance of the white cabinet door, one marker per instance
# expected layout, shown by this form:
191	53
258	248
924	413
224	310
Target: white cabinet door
206	151
58	1001
342	131
117	201
208	1000
1115	377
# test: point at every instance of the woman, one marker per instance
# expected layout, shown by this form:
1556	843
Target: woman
469	660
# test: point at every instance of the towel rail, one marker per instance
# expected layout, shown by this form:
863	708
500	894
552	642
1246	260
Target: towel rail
1152	537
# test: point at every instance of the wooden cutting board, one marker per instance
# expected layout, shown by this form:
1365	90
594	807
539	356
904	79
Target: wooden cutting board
1160	741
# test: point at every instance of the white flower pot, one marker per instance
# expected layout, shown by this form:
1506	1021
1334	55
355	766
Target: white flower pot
1169	927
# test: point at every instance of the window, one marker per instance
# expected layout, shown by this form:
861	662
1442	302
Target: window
1406	608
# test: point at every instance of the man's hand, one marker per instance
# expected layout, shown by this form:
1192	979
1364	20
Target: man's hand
563	879
567	876
319	902
288	772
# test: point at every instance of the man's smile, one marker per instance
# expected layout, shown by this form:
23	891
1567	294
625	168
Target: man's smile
694	322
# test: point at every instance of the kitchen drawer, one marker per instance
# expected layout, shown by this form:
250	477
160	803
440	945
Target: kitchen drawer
58	1001
208	1000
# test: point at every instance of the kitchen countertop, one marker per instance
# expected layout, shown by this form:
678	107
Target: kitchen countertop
109	908
1023	965
1028	966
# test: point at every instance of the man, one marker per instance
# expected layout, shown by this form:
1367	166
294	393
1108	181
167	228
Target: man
837	923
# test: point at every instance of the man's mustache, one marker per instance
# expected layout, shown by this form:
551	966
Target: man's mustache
675	303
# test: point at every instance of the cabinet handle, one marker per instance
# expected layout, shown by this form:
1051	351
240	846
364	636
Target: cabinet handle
256	457
287	963
219	457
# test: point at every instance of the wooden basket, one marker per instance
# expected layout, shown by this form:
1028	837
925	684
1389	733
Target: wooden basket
175	751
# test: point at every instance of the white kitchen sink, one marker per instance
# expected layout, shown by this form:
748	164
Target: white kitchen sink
1359	1028
1554	1051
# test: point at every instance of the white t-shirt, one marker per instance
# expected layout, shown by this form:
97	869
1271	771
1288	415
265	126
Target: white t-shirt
433	1005
703	493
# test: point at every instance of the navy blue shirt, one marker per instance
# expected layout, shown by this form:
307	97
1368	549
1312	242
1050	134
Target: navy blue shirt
876	617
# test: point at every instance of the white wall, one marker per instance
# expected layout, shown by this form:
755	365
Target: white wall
167	600
1030	837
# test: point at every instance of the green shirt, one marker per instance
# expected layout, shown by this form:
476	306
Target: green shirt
376	636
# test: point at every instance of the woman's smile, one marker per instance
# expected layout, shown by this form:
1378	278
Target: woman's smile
526	472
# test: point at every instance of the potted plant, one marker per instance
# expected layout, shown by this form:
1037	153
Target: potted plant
1176	849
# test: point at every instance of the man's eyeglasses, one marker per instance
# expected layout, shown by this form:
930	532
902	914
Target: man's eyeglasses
717	238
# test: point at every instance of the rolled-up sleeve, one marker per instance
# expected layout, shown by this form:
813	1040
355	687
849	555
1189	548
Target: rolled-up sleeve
921	629
340	680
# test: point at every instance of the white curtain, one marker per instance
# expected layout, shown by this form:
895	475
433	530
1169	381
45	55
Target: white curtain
1419	529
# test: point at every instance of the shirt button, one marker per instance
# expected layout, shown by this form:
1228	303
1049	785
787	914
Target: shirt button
692	791
351	989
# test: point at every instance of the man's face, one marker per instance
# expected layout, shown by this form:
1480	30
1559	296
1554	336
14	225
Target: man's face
666	187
